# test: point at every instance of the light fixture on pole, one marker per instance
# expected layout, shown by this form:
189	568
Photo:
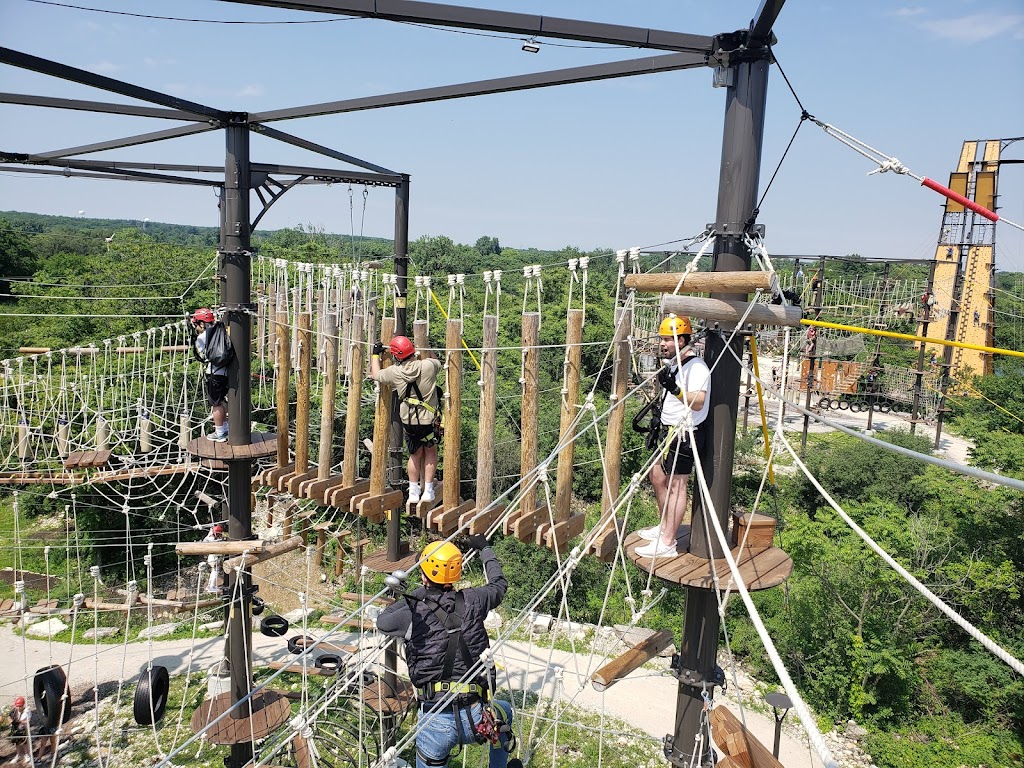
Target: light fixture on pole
778	701
531	46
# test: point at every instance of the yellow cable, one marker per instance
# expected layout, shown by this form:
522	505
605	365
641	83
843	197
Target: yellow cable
434	297
764	416
911	337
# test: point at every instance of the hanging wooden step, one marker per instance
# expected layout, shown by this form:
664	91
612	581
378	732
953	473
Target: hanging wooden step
737	743
263	444
263	714
83	459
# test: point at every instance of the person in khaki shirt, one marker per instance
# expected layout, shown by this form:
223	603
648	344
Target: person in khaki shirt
415	381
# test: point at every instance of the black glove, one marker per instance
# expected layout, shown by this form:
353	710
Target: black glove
477	541
378	349
667	377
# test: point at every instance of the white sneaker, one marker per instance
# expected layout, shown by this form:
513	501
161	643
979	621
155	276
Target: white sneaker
428	493
657	549
218	437
414	493
650	534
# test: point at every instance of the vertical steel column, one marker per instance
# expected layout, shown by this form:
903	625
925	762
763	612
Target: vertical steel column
915	410
737	198
237	259
394	535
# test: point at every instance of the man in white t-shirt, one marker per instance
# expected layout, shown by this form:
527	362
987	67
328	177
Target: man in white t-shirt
216	534
686	380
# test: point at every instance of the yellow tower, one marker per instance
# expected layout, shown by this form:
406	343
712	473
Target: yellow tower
960	304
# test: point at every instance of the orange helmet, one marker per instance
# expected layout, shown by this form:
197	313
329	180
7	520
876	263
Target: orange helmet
442	563
218	529
203	315
675	326
401	348
19	702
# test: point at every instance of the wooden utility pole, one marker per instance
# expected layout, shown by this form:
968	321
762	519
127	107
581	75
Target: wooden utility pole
617	417
282	378
488	401
453	417
350	462
382	418
330	336
531	392
302	384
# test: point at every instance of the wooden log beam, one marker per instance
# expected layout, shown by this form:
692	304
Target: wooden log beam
274	550
634	658
327	328
219	547
612	476
738	743
700	282
453	410
531	396
302	393
447	521
488	402
730	312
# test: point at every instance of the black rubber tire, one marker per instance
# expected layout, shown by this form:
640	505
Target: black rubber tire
298	643
844	405
885	408
855	407
258	606
274	626
824	403
877	406
151	695
49	687
329	662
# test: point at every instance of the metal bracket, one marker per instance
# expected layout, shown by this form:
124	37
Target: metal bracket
249	308
695	677
736	228
731	48
668	745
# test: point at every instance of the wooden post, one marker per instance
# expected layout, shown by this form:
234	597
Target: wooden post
348	335
302	394
294	330
321	361
420	337
283	376
330	388
382	419
452	432
634	658
286	523
349	465
617	418
488	400
566	432
531	395
700	282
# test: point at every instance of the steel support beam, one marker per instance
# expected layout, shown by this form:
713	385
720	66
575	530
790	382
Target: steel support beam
28	100
297	141
236	266
130	141
641	66
75	75
737	198
418	12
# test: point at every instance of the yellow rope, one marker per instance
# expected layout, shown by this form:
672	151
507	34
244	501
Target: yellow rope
434	297
764	416
911	337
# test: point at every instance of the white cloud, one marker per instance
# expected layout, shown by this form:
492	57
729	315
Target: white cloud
250	90
906	12
104	67
976	27
152	63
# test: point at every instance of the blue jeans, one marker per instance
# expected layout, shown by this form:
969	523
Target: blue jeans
439	734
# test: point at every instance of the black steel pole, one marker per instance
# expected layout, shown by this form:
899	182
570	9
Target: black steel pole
236	261
737	199
395	552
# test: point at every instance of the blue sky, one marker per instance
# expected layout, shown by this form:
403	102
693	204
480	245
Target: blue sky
626	162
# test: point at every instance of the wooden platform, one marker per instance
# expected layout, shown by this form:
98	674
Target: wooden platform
263	444
83	459
379	697
270	710
41	477
379	562
760	567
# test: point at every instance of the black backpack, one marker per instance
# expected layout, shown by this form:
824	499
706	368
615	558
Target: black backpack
219	352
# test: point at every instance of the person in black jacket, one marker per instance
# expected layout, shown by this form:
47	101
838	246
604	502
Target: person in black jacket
443	630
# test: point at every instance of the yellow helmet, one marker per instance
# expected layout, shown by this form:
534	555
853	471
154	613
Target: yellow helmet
675	326
442	563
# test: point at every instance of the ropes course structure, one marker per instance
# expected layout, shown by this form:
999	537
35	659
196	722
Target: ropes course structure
118	419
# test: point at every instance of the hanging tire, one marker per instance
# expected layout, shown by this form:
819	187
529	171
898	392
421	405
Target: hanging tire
299	643
258	606
855	407
844	405
885	408
49	687
151	695
329	663
824	403
274	626
877	406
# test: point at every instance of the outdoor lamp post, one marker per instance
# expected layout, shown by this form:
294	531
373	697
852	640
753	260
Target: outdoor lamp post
778	701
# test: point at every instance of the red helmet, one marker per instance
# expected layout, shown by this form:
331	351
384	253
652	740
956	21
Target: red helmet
19	702
203	315
218	529
401	348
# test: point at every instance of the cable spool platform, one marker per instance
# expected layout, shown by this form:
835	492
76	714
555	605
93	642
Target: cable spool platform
270	710
760	567
263	444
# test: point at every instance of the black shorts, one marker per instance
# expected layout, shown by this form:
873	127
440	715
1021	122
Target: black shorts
679	458
216	388
419	436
